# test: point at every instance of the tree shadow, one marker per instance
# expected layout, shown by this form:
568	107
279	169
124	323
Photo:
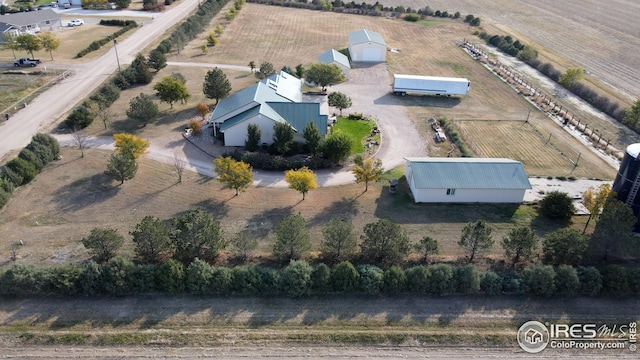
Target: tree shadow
217	209
261	223
85	192
345	209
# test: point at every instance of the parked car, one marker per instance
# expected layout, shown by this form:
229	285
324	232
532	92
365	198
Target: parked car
75	22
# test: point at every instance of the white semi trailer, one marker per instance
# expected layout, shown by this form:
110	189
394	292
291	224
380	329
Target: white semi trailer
431	85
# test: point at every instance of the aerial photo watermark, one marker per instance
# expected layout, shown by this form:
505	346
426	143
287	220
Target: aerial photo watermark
534	336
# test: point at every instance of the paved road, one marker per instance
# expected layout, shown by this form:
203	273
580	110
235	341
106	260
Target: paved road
51	106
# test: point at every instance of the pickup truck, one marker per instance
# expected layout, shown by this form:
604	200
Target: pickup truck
27	62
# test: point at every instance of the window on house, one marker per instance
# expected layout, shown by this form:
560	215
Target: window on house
451	191
48	22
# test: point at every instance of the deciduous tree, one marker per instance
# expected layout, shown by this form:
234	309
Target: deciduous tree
152	239
142	109
171	90
197	235
292	238
103	244
384	242
324	75
28	42
216	85
121	167
301	180
339	100
339	240
233	174
252	65
594	199
179	164
202	109
243	244
520	244
130	145
369	170
476	237
570	77
49	42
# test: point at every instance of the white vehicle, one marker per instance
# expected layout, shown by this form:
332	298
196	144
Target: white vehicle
75	22
430	85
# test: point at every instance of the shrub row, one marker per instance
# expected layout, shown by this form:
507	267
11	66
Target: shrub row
266	161
97	44
83	115
456	137
121	276
22	169
119	23
192	26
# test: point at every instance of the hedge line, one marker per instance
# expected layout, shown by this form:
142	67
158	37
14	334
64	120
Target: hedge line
456	137
97	44
122	277
27	165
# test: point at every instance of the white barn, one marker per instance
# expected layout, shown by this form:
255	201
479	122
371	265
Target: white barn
466	180
339	59
367	46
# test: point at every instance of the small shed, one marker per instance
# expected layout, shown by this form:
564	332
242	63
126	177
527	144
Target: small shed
466	180
367	46
339	59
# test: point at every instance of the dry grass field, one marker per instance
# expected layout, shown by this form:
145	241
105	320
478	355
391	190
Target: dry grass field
73	196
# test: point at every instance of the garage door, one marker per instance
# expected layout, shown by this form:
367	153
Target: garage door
371	54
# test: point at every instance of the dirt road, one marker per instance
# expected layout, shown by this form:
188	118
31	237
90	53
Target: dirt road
51	106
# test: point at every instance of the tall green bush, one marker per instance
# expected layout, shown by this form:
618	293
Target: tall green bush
344	277
371	279
418	279
170	277
296	279
540	280
199	274
394	280
491	283
441	279
467	279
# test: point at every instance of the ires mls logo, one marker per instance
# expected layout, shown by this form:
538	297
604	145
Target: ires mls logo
534	336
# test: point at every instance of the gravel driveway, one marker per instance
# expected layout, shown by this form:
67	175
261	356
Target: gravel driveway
369	87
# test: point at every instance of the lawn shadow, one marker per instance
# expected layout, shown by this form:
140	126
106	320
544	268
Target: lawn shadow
217	209
261	223
85	192
344	209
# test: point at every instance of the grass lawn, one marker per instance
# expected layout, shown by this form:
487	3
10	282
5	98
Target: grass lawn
357	130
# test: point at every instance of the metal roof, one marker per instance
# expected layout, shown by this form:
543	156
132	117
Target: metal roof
29	17
334	56
278	87
468	173
437	78
365	36
300	114
240	118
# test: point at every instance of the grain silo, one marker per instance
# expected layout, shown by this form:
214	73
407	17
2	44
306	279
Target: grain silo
627	183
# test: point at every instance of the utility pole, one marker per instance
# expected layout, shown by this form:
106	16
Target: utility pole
115	42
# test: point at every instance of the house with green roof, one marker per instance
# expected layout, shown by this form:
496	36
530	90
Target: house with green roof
466	180
276	99
367	46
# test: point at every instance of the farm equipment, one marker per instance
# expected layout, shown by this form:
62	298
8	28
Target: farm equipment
26	62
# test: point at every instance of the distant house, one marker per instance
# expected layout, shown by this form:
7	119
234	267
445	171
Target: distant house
367	46
466	180
339	59
277	98
30	22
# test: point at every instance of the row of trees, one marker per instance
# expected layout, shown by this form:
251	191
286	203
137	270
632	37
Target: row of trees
20	170
120	277
30	43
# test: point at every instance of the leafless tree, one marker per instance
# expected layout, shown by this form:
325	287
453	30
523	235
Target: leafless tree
80	139
105	115
179	164
14	251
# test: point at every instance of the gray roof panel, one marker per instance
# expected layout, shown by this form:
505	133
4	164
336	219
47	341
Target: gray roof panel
364	36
